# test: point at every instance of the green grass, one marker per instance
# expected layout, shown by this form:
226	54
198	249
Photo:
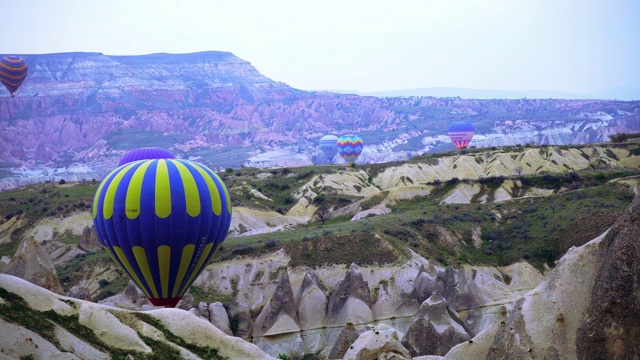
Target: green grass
47	199
200	295
17	311
75	269
9	249
530	229
113	287
204	352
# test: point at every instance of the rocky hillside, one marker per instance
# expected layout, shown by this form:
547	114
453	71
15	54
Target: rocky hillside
77	113
584	309
322	258
38	324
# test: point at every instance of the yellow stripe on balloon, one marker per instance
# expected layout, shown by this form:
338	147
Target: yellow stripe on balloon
226	193
125	263
143	264
187	254
164	265
216	204
191	194
163	190
135	190
96	198
196	270
111	191
114	259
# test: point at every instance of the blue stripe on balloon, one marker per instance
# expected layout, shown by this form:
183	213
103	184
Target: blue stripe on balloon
202	223
221	226
192	227
116	228
147	221
178	206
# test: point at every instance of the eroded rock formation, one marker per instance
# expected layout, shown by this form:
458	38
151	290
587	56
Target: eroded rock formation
32	263
280	314
433	331
587	308
351	300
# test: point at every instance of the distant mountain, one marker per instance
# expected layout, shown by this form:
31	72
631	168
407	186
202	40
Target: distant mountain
618	93
478	93
625	94
78	113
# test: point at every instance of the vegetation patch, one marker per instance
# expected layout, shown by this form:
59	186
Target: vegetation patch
18	312
374	200
201	351
360	248
209	296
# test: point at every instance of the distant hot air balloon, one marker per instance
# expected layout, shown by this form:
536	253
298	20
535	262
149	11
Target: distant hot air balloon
461	133
13	71
329	146
145	153
350	147
162	220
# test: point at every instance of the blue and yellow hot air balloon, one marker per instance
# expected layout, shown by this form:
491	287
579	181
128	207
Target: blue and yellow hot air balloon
13	71
162	220
350	147
146	153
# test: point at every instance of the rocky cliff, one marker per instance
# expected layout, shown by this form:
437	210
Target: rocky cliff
587	308
77	113
39	324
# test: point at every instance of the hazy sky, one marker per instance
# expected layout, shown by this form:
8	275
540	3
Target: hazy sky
563	45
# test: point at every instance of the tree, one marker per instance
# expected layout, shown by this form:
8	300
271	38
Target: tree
518	170
322	215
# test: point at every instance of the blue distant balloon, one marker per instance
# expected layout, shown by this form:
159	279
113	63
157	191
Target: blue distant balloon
161	221
146	153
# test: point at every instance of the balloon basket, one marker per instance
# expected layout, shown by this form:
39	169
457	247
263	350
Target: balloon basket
168	303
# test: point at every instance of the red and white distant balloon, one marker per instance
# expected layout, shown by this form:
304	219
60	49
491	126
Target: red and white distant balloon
461	133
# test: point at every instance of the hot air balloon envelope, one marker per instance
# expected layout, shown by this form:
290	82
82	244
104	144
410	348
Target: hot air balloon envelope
350	147
461	133
329	146
13	71
161	221
146	153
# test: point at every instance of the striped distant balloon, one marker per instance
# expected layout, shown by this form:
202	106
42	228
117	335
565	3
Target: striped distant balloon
13	71
146	153
162	220
461	133
350	147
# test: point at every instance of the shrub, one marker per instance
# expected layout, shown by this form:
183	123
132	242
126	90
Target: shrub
242	250
270	244
618	138
62	181
452	181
